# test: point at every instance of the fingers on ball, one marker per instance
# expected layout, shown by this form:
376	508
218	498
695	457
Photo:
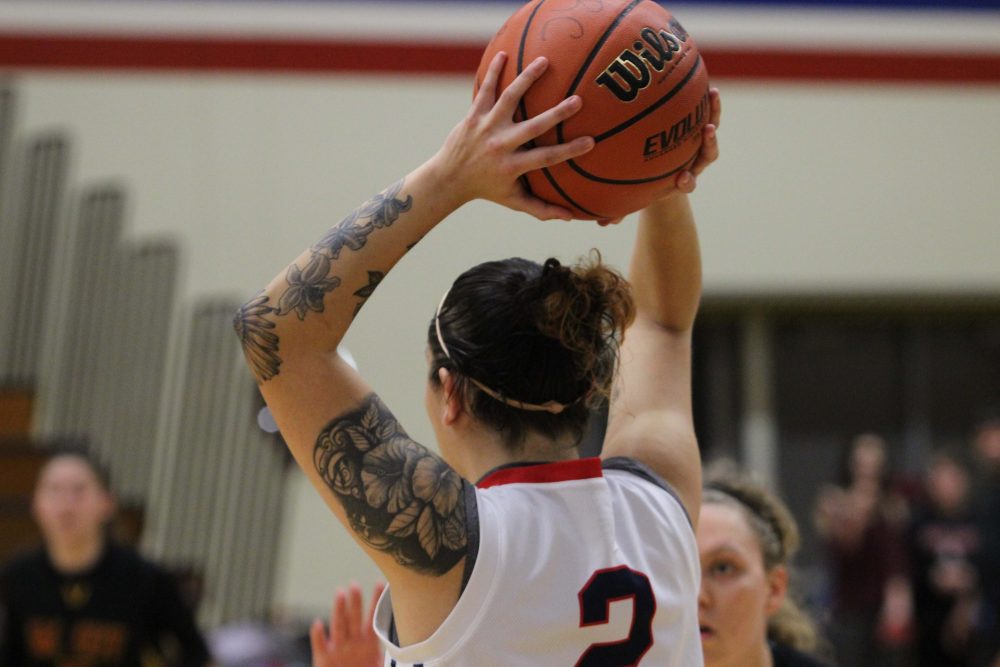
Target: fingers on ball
513	93
545	121
487	95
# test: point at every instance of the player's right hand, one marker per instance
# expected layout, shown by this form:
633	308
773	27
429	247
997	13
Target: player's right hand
485	155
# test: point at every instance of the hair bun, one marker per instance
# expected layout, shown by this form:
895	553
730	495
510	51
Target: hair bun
554	277
587	308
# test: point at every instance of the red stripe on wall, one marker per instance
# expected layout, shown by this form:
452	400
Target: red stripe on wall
156	53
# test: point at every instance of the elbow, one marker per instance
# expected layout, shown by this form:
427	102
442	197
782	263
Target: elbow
254	325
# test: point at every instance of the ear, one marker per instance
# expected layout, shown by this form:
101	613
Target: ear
777	588
453	406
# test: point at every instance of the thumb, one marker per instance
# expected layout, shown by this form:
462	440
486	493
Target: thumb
317	642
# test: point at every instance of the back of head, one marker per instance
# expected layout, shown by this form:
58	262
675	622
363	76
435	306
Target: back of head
778	535
533	347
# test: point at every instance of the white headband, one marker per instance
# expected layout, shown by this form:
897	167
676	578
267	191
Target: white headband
549	406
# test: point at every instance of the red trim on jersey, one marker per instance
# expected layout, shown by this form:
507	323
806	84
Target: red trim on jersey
558	471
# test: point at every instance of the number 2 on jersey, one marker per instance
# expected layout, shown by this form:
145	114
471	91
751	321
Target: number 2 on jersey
605	587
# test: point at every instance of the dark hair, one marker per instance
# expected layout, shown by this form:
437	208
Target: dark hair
80	453
778	537
533	333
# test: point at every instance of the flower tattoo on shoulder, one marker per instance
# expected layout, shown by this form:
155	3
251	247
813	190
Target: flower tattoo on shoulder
400	497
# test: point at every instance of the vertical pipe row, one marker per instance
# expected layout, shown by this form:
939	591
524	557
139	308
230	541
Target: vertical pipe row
154	309
235	448
220	509
9	231
192	400
97	236
37	218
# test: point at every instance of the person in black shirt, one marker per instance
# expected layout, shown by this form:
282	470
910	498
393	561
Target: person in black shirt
945	544
986	504
746	540
80	599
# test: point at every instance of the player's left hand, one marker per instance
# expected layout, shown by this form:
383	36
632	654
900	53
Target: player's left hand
686	181
352	641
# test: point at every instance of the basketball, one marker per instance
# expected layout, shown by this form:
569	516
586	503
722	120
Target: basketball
645	98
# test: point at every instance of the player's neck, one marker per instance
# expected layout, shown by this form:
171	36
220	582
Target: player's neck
536	448
759	657
73	556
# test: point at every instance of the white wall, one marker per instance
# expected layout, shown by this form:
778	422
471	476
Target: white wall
820	189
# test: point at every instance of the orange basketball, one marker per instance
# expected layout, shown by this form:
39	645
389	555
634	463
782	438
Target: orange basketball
645	98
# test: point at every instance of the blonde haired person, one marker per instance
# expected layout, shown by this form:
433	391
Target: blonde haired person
746	541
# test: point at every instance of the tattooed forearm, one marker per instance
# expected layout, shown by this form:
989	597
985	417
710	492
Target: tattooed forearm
353	231
307	286
400	498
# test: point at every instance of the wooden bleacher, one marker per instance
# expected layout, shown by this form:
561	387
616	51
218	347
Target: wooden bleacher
19	466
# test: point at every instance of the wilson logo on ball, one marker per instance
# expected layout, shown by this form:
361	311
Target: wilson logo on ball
630	72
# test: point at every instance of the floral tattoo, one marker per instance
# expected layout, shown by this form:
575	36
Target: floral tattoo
400	497
374	278
308	285
380	211
260	343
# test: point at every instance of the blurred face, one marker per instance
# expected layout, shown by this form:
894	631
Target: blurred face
988	444
868	458
737	594
70	505
947	485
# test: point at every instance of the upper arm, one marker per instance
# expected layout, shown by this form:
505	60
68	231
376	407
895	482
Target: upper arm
400	501
650	416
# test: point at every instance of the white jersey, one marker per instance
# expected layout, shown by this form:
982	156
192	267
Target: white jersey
577	564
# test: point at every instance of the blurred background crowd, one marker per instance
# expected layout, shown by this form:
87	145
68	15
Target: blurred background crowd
913	561
157	158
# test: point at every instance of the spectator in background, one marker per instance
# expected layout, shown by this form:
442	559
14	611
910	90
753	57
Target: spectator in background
81	599
945	543
986	501
746	541
862	523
